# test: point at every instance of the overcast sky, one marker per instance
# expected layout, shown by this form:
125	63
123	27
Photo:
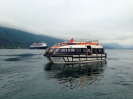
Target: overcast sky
103	20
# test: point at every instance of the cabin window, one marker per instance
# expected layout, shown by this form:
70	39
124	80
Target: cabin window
78	50
68	50
62	50
94	51
72	50
98	51
83	50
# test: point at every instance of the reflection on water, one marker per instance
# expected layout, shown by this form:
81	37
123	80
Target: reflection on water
18	57
76	75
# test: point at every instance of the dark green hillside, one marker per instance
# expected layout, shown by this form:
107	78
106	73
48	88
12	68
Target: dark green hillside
11	38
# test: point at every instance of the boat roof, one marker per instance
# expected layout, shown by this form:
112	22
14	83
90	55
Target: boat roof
82	44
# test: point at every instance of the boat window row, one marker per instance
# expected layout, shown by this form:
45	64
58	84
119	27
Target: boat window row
71	50
77	50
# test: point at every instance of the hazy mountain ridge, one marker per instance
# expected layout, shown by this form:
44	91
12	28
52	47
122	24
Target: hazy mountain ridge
12	38
127	46
111	46
116	46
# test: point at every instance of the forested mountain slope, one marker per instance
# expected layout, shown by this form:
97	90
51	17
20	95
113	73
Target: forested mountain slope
12	38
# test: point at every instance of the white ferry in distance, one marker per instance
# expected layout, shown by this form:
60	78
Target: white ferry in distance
38	45
76	52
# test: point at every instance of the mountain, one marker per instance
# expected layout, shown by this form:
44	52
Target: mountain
127	46
12	38
111	46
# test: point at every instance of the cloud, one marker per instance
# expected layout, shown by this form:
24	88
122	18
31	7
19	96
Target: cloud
107	21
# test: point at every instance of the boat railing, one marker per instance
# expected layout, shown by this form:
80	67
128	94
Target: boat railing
89	41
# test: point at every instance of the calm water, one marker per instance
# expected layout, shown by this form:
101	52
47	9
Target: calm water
26	74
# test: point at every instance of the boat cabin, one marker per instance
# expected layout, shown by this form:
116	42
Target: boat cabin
76	48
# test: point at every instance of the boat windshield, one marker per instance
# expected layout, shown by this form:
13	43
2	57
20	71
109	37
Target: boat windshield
63	44
76	43
70	44
51	50
55	51
57	45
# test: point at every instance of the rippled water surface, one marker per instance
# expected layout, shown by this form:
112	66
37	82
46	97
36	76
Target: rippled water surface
26	74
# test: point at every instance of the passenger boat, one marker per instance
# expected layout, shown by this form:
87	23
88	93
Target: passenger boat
38	45
76	52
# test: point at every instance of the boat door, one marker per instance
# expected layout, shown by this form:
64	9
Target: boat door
89	50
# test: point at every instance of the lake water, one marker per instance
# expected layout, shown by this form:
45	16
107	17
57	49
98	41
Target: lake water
26	74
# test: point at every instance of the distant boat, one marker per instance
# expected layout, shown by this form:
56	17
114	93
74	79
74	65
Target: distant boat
38	45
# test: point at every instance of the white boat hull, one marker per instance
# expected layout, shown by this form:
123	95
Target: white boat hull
77	58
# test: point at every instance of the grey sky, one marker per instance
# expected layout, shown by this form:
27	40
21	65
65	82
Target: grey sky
103	20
